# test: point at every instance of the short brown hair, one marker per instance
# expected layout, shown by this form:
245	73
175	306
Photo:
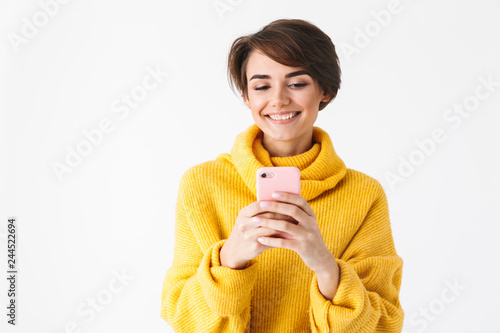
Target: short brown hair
291	42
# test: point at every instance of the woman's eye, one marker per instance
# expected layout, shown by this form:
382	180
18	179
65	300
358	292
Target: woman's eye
261	88
298	85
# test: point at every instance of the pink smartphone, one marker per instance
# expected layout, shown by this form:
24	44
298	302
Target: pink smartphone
283	179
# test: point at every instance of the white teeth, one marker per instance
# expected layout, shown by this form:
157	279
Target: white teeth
284	117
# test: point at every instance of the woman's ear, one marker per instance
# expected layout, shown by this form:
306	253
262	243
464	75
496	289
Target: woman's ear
245	99
326	97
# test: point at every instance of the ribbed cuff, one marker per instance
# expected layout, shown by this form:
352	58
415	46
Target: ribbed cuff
346	304
227	291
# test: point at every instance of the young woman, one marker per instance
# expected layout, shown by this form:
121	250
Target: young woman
322	261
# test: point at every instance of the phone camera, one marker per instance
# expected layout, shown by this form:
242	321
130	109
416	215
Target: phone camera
263	175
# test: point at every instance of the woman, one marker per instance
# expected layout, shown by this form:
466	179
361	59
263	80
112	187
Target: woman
322	261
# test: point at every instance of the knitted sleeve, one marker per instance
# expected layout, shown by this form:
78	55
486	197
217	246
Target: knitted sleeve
200	295
367	299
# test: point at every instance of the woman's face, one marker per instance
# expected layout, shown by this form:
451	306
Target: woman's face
281	92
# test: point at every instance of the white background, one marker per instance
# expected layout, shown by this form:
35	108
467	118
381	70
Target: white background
114	211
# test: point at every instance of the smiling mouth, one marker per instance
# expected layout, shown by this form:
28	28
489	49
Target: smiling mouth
285	116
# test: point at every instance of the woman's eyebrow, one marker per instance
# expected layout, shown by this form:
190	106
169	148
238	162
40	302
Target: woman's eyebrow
265	76
297	73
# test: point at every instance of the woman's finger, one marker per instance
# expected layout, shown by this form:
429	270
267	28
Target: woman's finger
294	199
279	225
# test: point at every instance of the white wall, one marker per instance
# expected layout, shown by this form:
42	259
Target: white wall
114	210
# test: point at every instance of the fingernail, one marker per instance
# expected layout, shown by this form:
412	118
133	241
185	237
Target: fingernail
260	239
257	219
276	195
265	204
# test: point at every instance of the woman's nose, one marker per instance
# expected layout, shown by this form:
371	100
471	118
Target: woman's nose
279	97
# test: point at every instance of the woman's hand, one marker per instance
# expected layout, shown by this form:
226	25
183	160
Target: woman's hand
304	237
242	244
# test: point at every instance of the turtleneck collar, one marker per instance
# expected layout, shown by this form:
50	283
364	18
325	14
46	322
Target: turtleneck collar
320	167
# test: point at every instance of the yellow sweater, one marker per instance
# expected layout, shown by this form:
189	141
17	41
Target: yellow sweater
276	291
